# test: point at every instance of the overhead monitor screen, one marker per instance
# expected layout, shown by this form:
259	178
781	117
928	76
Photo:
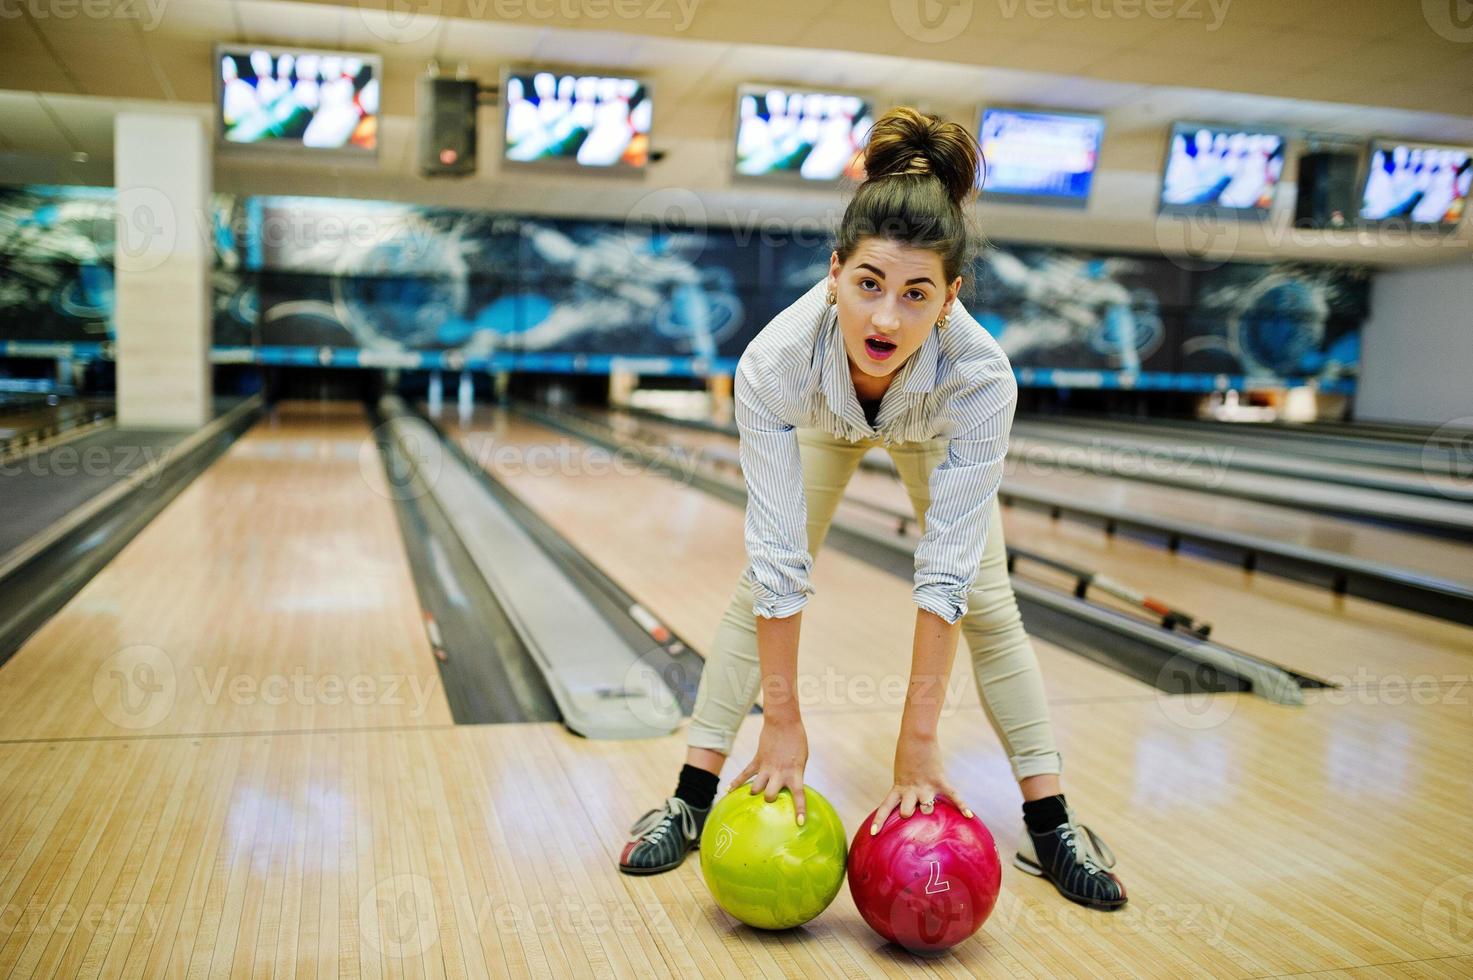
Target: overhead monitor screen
570	120
1236	168
1417	182
1038	156
298	99
788	134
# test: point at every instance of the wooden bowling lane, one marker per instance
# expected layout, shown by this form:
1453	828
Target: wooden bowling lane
1429	512
272	595
1237	824
680	551
1237	454
1383	447
1438	557
1256	840
299	853
1307	628
1176	776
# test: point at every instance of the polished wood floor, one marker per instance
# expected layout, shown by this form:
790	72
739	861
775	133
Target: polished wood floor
237	835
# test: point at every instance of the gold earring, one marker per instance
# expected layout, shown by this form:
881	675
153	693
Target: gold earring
833	297
945	319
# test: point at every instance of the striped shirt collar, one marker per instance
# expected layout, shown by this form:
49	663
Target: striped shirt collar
916	378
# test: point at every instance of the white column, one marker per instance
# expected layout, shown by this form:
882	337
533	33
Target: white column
163	256
621	385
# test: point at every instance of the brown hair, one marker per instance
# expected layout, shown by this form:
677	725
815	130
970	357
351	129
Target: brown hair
921	173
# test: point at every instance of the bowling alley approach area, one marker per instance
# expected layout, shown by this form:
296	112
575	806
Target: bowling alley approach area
726	488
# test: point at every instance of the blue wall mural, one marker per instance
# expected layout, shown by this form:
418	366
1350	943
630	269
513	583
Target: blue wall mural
314	280
56	267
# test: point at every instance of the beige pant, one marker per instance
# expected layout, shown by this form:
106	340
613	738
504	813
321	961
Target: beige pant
1008	679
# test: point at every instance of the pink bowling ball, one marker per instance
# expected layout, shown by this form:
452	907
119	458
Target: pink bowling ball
926	882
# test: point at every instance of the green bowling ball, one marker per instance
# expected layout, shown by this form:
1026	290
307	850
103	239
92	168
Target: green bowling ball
764	869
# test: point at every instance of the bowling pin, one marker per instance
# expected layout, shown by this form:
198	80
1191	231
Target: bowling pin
336	117
610	134
238	98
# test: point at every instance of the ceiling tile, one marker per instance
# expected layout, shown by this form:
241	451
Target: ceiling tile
1043	55
189	75
1363	18
28	125
201	19
32	73
1271	13
20	39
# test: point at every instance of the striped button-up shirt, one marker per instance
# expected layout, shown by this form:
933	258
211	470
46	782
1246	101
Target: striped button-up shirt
958	385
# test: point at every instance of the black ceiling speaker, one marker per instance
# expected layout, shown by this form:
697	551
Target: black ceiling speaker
447	126
1328	188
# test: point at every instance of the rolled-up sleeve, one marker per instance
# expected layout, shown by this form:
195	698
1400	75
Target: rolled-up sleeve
963	489
779	566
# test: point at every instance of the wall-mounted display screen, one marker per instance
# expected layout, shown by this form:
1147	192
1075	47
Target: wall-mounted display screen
1233	168
801	135
1039	157
323	102
1421	183
572	120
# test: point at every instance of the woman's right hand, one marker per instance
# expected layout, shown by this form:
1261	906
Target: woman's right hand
782	754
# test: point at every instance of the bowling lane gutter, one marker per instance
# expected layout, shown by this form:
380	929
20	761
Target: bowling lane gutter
1427	512
1168	661
489	676
613	670
1271	461
1342	574
1398	445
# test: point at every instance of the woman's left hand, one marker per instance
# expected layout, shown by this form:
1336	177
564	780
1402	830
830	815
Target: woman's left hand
918	780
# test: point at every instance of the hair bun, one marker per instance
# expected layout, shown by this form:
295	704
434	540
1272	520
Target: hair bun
907	142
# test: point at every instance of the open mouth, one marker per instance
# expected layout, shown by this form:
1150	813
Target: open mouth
877	348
